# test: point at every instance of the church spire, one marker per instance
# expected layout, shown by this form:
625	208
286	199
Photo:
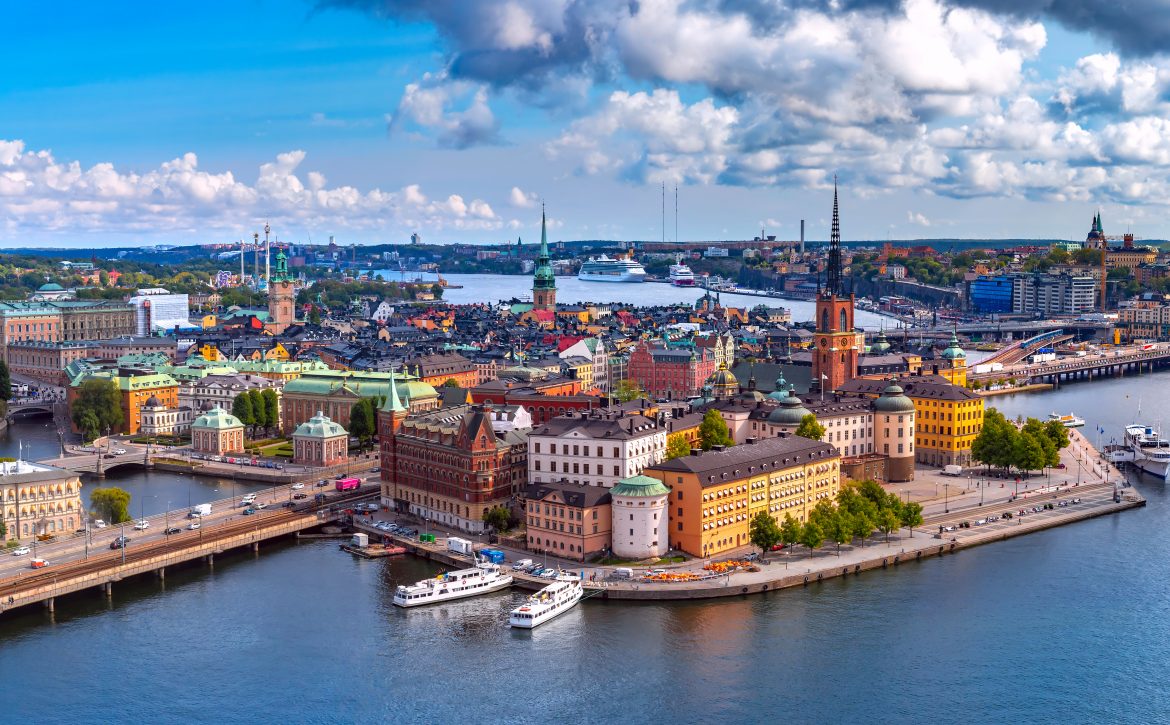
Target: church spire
393	404
833	275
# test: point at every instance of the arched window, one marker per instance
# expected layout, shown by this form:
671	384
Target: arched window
842	327
824	321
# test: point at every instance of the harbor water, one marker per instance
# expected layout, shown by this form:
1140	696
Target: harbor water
1065	625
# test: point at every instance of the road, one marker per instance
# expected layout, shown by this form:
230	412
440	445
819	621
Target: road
74	547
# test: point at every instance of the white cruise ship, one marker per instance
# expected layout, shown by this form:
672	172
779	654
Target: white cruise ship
605	269
483	578
1150	452
681	275
552	601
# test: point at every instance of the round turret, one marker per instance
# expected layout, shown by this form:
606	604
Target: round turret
723	383
881	345
893	400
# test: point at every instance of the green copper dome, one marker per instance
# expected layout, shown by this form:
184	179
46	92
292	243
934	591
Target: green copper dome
881	344
893	400
639	486
781	391
790	411
953	351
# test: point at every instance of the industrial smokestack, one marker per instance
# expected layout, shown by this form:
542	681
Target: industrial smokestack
802	236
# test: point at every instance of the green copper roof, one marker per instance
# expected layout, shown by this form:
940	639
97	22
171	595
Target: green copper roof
217	419
791	410
543	277
953	351
893	400
319	426
639	486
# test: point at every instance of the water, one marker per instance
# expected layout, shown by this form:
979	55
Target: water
1066	625
478	288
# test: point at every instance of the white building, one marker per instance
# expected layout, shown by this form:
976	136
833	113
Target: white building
638	528
198	396
597	448
157	309
593	349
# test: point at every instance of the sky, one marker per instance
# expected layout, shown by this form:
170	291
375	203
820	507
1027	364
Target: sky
369	120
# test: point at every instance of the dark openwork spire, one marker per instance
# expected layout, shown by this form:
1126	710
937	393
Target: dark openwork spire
833	276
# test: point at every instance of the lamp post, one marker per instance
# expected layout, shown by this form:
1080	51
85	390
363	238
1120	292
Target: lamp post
947	497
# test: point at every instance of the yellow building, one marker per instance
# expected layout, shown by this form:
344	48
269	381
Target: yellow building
715	494
39	500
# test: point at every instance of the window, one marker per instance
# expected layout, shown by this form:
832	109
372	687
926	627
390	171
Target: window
680	526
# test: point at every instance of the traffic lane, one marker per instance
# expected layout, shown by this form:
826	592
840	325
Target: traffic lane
1088	501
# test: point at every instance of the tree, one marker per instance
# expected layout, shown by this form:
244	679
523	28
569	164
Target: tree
97	407
450	383
1057	433
3	531
314	315
812	536
363	422
110	504
911	515
888	522
259	412
764	532
713	431
242	409
810	428
628	390
271	409
677	446
996	442
497	517
1028	453
5	382
789	530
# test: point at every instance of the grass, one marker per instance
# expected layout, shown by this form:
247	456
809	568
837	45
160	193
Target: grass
175	462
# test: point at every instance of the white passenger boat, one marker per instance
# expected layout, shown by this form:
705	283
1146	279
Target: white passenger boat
552	601
1150	452
1068	421
681	275
485	577
605	269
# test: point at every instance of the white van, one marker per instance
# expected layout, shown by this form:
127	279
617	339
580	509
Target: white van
623	572
248	499
952	470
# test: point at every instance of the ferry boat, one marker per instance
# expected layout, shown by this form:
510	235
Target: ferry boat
552	601
485	577
1150	452
1068	421
605	269
681	275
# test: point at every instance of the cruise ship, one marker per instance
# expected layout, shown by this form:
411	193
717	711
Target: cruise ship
681	275
1150	452
552	601
605	269
485	577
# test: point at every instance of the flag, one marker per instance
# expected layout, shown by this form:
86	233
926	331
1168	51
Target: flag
824	377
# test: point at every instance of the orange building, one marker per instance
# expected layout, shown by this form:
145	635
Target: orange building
836	345
439	368
135	387
568	520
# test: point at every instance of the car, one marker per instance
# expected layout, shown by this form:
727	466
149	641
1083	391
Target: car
119	451
39	563
141	525
521	564
948	528
300	496
193	526
172	530
754	556
297	486
548	574
20	551
659	571
260	505
1007	514
99	524
375	470
777	547
980	522
46	537
1076	500
249	511
120	542
322	484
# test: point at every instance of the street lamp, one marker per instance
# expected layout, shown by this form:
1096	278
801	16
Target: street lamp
947	497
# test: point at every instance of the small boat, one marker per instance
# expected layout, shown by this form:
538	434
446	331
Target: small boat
552	601
1068	421
484	578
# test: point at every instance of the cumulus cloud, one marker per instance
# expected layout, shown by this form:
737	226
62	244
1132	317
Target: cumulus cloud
40	193
456	111
522	199
918	218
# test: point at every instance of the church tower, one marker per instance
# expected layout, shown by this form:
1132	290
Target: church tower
390	417
281	296
544	282
836	345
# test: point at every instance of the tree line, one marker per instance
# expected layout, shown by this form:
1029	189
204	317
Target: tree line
1031	445
257	409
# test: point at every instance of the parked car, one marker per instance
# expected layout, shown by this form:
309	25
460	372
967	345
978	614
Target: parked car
753	556
521	564
119	451
120	542
99	524
1076	500
300	496
322	484
20	551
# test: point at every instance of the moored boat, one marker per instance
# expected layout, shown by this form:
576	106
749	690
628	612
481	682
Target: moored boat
1068	421
605	269
1151	453
552	601
483	578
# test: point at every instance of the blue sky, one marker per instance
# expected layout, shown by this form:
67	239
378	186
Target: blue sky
372	119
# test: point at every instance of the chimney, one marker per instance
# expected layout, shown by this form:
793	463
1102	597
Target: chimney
717	448
751	441
696	451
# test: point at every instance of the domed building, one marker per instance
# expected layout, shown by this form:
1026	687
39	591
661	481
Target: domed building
781	389
320	442
723	383
158	420
52	291
217	432
894	432
956	360
881	345
639	518
787	416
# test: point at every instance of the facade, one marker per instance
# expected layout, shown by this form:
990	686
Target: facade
281	297
592	349
159	420
714	494
1145	320
639	518
136	387
670	373
334	392
572	521
450	465
114	348
320	442
544	281
598	448
836	345
37	499
991	293
28	322
217	432
46	361
1046	294
218	389
439	368
95	319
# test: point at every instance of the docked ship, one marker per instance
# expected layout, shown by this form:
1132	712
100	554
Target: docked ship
681	275
605	269
1068	421
552	601
485	577
1150	452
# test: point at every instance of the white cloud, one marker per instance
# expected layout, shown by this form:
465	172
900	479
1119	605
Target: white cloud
456	111
918	218
522	199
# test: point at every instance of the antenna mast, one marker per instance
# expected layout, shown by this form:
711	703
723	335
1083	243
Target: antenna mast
676	240
664	213
267	256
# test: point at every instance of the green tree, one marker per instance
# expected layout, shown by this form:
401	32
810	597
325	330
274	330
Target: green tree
1028	453
764	532
677	446
812	536
1057	433
97	407
996	442
911	515
628	390
314	315
450	383
271	409
498	517
713	431
888	522
3	531
259	412
789	530
111	504
5	382
362	422
810	428
242	409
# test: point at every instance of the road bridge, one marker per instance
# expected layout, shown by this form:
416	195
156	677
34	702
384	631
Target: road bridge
33	406
1117	362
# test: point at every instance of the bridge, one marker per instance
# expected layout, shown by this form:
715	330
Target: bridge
1117	362
104	569
31	406
98	462
1016	352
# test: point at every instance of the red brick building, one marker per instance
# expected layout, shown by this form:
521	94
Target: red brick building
671	372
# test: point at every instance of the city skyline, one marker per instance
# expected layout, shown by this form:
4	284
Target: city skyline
373	120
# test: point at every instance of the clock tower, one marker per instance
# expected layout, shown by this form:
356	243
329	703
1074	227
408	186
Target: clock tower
281	296
836	344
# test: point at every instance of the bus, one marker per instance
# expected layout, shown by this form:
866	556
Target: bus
348	484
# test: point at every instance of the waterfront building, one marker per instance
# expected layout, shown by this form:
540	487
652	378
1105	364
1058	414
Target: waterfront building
320	442
28	321
568	520
217	432
836	344
449	465
714	494
159	420
1045	295
47	361
596	448
156	309
544	281
136	386
639	518
1145	320
37	499
281	296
